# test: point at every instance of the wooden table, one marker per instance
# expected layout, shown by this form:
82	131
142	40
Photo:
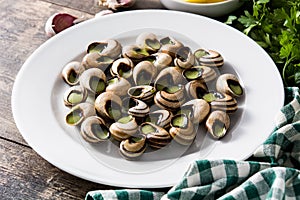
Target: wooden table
23	173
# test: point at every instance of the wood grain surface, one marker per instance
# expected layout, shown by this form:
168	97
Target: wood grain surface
23	173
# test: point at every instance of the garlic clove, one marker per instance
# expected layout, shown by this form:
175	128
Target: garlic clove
116	4
58	22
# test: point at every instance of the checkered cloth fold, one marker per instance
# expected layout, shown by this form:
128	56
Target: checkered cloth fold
272	172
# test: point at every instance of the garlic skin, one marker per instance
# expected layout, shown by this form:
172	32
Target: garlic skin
116	4
58	22
104	12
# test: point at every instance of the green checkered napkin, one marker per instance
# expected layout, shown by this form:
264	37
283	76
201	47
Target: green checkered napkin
272	172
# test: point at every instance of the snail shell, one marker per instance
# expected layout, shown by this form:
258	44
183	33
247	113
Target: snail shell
97	60
148	41
170	100
122	68
196	89
221	101
229	84
182	129
134	52
93	129
209	58
169	76
218	123
184	58
111	48
133	147
142	92
109	106
157	137
75	95
118	86
123	128
144	73
160	118
197	110
94	80
79	112
140	109
160	60
170	46
71	72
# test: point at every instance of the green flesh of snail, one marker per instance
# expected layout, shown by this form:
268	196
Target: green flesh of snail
135	139
125	120
212	96
141	51
96	47
180	121
75	98
173	89
193	73
74	116
219	128
235	87
100	131
146	129
124	70
166	40
97	84
73	77
154	44
113	110
201	53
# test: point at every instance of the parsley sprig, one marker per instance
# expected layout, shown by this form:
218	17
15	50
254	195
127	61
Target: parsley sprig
274	25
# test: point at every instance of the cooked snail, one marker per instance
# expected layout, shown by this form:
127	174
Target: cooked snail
71	72
109	106
184	58
209	58
144	73
122	68
142	92
79	112
170	46
229	84
133	147
221	101
75	95
157	137
110	48
182	129
148	41
94	80
218	123
93	129
118	86
124	128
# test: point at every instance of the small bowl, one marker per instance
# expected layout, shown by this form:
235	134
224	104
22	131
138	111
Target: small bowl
217	9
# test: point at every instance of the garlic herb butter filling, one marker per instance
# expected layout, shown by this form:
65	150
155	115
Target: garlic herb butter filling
147	94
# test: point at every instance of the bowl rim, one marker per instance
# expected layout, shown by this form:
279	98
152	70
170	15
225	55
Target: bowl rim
183	2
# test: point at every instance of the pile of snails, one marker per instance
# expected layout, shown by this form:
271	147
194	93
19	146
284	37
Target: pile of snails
149	93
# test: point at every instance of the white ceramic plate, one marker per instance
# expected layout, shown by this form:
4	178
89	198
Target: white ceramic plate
38	109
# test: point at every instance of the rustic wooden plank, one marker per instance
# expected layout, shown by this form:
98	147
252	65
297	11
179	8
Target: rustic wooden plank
22	31
25	175
91	6
87	6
